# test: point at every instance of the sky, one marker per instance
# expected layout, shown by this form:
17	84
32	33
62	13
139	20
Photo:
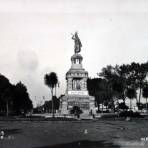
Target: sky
35	38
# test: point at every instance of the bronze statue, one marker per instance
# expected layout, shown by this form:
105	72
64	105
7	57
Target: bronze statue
78	45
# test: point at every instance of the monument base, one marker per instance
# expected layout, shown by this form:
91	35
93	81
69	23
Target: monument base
85	103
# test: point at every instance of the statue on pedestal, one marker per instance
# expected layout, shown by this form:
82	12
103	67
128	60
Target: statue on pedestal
78	45
76	95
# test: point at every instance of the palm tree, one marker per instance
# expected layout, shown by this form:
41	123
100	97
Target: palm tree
145	93
51	81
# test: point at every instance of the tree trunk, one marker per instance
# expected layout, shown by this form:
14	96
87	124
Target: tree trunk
136	99
52	104
130	104
55	90
113	105
7	108
123	100
146	103
130	107
124	97
102	107
140	94
118	106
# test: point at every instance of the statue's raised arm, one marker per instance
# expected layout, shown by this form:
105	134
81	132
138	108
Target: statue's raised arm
78	45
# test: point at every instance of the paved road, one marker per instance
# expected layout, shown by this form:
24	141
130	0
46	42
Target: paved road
88	134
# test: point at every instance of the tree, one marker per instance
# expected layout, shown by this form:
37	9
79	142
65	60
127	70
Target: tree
138	74
14	97
123	106
51	81
7	97
56	102
145	93
4	83
48	104
116	81
122	77
5	93
21	102
99	88
131	94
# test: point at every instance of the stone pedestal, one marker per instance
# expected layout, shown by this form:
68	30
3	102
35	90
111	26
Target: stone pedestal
76	92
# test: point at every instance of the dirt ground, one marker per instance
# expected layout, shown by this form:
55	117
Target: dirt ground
73	134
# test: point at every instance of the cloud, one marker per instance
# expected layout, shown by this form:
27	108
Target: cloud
45	27
27	60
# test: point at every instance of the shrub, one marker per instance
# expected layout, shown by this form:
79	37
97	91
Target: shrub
129	114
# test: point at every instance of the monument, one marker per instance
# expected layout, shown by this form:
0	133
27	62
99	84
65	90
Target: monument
76	91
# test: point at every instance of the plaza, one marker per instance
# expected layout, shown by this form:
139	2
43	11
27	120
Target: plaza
71	134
